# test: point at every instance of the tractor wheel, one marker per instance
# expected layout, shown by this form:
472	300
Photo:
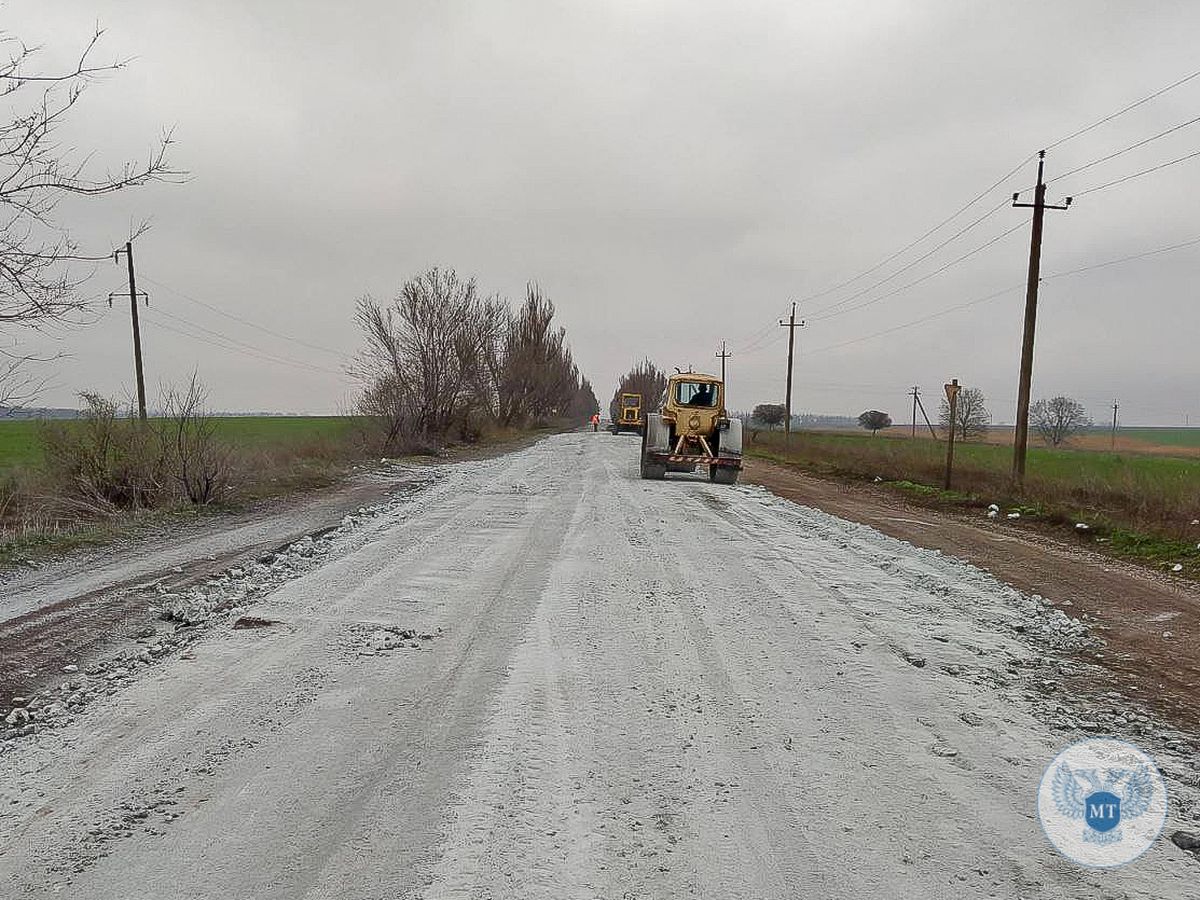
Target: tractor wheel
653	471
722	475
649	470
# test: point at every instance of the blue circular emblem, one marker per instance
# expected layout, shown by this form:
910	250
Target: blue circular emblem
1102	802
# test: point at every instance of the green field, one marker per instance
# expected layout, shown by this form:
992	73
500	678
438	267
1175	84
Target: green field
19	444
1066	466
1142	492
1166	437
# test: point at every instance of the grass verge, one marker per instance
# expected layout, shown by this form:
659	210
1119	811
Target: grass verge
274	457
1140	508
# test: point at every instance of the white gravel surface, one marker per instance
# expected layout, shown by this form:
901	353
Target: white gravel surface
540	677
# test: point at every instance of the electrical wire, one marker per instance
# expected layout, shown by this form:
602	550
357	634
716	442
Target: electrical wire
1124	150
224	342
914	322
923	278
1123	110
991	212
759	336
1123	259
232	340
751	344
950	218
1112	262
775	341
1122	180
244	321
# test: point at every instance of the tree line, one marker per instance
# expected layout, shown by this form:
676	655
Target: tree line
442	360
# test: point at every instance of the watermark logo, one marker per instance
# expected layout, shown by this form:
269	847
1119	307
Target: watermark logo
1102	802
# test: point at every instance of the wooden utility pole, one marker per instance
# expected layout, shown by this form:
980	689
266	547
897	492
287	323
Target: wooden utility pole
723	355
1116	406
137	331
1039	207
952	396
791	325
917	402
916	392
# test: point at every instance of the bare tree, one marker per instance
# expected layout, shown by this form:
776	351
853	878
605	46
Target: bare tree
584	404
971	416
39	275
194	457
17	384
537	378
428	349
645	379
1058	418
873	420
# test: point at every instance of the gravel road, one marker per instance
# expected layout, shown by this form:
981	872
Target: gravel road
541	677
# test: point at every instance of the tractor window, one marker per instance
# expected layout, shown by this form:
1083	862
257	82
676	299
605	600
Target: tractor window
696	393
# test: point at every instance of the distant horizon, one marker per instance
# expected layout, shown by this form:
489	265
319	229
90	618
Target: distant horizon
11	414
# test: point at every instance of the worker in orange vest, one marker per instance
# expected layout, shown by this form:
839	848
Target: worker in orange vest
595	421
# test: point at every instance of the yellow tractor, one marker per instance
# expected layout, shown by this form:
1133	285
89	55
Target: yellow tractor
692	428
627	414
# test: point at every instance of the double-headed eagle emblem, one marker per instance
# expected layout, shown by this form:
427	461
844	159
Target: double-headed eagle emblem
1102	799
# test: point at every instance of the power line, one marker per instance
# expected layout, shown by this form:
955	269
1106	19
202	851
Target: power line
764	332
244	321
1117	181
1123	259
991	212
263	357
950	218
224	342
1135	146
920	321
768	345
923	278
224	337
754	344
1002	292
1123	110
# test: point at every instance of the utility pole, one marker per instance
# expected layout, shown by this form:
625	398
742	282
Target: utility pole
917	403
791	325
952	396
1116	406
916	393
1039	207
723	355
137	331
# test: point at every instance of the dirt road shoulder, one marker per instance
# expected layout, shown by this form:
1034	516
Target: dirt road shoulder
1150	625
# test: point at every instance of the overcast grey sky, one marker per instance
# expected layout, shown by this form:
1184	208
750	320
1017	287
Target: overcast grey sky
671	173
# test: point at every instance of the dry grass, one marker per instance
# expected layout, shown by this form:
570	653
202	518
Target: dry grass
46	508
